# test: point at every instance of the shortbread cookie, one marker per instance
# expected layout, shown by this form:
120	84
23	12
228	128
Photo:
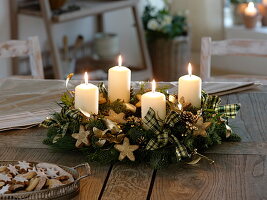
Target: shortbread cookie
2	184
61	171
17	187
25	177
41	184
29	175
33	183
52	183
3	168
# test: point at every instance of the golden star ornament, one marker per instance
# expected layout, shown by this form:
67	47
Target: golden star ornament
118	118
138	104
81	137
201	127
126	150
184	103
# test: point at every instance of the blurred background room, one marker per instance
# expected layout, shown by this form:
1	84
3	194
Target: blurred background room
156	38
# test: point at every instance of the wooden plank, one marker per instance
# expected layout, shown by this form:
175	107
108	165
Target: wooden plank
90	187
20	138
14	30
239	47
231	177
47	17
128	182
30	12
205	58
142	41
92	8
232	148
36	63
251	121
233	47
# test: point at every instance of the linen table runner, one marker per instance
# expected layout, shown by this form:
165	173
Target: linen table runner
25	103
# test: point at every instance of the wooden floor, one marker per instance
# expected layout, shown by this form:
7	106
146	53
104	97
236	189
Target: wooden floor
239	172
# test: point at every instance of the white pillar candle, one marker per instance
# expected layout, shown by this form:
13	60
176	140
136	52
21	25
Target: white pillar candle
250	10
119	82
86	96
154	100
190	88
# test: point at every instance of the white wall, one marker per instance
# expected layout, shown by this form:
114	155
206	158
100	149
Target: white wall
120	22
205	18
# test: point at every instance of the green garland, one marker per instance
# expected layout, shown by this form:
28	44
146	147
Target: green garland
179	138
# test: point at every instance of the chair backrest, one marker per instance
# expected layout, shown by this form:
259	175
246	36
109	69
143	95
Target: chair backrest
30	48
233	47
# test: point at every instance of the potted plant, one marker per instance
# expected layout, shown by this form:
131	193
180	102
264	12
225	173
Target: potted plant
57	4
168	42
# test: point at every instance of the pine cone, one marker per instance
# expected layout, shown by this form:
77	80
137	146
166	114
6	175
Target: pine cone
188	117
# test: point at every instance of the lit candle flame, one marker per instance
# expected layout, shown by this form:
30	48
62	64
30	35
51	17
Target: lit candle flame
251	5
153	85
190	69
180	106
120	60
86	78
250	9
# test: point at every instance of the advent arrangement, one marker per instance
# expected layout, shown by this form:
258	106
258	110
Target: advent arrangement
139	125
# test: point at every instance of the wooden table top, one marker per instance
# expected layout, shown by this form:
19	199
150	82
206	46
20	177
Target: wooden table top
239	172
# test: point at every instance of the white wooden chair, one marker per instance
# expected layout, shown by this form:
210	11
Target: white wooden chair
30	48
231	47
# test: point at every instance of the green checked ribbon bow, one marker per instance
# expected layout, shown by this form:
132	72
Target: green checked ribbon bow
213	102
163	132
61	120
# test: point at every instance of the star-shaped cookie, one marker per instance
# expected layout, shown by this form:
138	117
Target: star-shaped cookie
118	118
201	127
51	172
5	189
81	137
12	169
126	150
24	165
5	178
20	179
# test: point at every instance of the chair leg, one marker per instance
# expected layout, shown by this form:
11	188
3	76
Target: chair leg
14	30
142	42
56	60
100	23
205	58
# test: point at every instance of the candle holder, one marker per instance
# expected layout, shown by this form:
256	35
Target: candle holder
263	11
250	16
118	133
250	22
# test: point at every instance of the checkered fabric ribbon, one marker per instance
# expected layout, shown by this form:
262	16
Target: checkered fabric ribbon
73	113
52	121
213	102
163	132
